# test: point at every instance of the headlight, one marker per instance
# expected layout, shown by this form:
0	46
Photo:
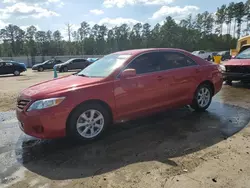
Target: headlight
45	103
223	68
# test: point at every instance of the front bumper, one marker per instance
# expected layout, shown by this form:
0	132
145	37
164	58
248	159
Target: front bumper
44	124
235	76
34	68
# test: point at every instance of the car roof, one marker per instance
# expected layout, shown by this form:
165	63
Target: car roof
8	61
77	58
140	51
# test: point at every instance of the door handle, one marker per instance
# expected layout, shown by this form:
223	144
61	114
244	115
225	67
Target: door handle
197	70
160	78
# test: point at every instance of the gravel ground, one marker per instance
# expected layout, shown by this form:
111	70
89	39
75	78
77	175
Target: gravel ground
11	85
176	148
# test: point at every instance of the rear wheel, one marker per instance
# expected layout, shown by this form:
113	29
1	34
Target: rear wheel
16	72
88	122
65	69
229	82
202	98
40	69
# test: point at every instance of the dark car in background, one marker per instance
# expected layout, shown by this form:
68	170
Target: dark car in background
72	64
225	55
46	65
12	67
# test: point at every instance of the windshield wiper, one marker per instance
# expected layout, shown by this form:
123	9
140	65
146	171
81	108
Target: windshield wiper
83	75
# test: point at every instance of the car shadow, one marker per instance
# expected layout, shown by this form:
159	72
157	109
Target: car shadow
241	85
10	75
159	137
238	84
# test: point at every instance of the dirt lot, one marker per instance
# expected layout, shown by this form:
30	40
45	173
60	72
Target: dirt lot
173	149
11	86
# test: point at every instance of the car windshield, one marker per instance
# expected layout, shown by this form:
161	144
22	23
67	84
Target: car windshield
221	53
244	55
104	66
48	61
195	52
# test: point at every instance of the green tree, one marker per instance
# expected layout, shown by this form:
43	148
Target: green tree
146	35
57	37
83	32
239	14
229	16
221	18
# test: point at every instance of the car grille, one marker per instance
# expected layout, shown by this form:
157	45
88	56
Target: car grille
21	104
238	69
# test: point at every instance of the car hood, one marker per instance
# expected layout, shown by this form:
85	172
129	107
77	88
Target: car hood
238	62
57	86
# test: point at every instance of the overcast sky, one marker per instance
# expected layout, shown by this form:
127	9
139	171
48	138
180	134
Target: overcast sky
54	14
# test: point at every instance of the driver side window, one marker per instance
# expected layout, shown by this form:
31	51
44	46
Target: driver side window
145	63
75	61
2	64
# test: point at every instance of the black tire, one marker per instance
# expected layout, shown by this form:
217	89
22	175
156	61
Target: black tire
209	58
229	82
40	69
195	104
17	73
72	130
65	69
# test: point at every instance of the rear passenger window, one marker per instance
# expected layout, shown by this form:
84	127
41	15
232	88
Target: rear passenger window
145	63
79	61
8	64
173	60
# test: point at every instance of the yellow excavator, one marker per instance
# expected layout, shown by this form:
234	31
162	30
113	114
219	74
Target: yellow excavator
242	44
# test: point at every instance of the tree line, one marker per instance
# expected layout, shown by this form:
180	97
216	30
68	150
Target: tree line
206	31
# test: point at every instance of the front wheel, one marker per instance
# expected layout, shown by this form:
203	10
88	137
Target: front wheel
202	98
229	82
17	73
88	122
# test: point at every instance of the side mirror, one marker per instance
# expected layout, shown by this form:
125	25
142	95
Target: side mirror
127	73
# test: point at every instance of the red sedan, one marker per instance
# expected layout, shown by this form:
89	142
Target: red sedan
117	87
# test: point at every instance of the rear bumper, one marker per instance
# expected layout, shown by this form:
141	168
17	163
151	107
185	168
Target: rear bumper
235	76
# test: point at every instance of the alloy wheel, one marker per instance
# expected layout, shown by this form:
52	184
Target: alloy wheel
203	97
90	123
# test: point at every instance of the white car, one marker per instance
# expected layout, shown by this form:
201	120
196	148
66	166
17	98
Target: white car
203	54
